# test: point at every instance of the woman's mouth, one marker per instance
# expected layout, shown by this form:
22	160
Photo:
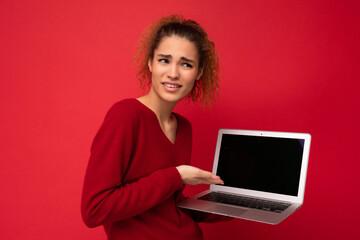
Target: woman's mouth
170	85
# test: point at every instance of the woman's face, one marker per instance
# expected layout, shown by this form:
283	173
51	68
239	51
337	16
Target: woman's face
174	69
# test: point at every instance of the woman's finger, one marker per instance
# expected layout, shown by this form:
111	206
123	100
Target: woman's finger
209	175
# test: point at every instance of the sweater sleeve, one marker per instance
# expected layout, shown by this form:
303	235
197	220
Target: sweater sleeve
106	198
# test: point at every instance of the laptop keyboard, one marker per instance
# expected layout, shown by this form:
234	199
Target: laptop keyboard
245	202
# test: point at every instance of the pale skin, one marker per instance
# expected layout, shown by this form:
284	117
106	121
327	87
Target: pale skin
174	70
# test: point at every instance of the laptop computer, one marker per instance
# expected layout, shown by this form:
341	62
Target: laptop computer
264	175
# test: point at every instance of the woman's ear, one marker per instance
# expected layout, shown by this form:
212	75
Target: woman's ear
149	64
200	73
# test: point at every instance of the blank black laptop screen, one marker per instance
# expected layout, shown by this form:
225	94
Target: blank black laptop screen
266	164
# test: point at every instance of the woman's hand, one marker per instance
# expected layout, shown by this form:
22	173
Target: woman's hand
193	176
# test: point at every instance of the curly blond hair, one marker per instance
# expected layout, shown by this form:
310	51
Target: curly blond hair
206	88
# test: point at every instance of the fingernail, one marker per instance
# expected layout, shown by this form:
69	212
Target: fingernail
214	177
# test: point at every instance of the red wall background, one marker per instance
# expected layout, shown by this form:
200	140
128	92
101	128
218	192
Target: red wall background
286	66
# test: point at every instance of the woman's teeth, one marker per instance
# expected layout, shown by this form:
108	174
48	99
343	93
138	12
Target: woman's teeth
171	86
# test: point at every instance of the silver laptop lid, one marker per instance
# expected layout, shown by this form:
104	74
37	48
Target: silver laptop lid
262	164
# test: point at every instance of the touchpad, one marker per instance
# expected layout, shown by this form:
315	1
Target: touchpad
232	211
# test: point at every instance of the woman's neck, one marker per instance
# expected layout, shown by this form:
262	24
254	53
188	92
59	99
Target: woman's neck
161	108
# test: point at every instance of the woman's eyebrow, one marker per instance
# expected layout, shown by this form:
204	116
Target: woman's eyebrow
187	59
168	56
165	56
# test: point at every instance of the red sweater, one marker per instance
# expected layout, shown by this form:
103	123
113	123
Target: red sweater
131	184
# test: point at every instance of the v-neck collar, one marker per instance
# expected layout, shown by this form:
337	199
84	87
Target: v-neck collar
158	124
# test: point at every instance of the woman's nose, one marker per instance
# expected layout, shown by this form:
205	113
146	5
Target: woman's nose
173	72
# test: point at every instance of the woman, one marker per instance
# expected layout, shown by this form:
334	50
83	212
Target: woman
140	157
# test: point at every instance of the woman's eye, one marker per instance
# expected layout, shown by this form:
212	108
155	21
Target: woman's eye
163	60
187	65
